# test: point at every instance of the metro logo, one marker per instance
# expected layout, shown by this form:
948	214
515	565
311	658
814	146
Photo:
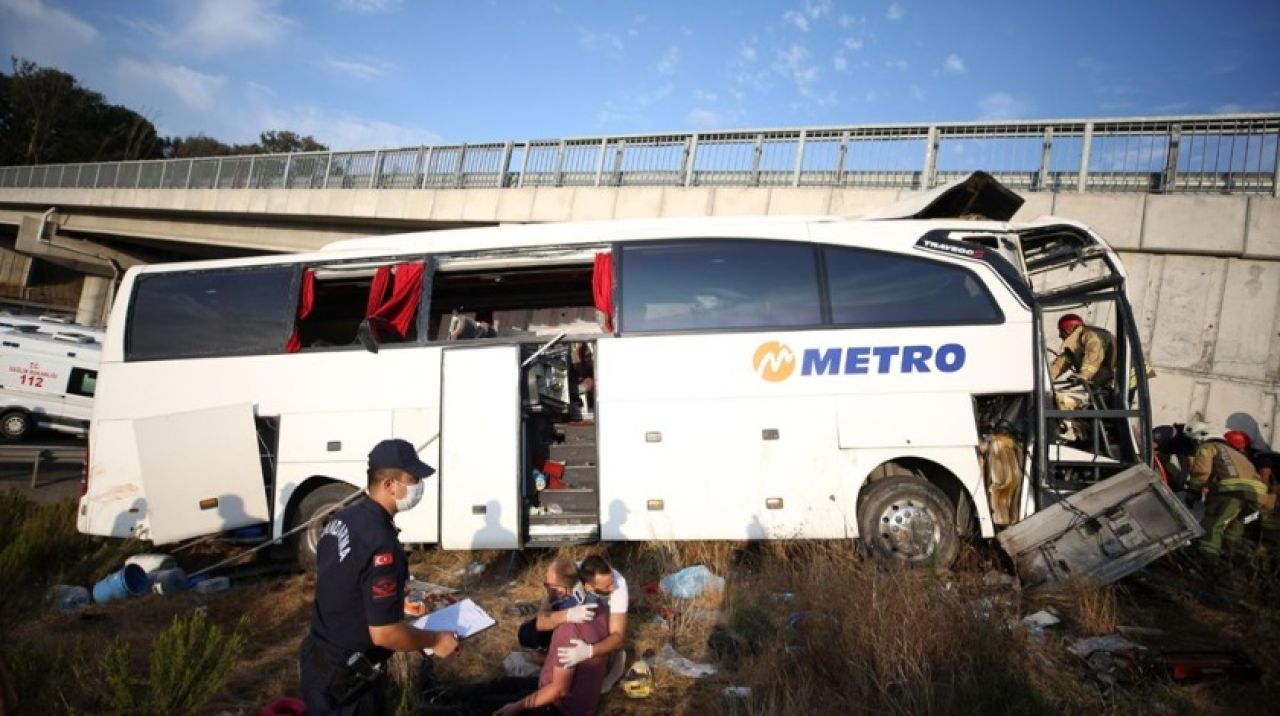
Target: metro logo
774	361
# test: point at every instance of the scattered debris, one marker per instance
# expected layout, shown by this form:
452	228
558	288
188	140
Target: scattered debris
669	658
168	581
518	664
1038	622
68	598
741	692
522	609
784	597
1196	666
474	569
638	682
1111	643
213	585
996	578
691	581
129	581
152	563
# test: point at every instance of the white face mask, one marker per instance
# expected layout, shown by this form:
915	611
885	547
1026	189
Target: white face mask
412	497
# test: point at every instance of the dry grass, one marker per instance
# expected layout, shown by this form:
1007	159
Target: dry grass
1094	607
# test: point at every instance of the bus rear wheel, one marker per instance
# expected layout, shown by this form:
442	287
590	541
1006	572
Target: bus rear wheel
15	425
317	501
908	521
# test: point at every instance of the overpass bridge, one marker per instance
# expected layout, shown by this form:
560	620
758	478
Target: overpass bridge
1192	203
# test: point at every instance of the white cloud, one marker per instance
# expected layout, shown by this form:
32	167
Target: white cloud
369	6
1231	108
670	60
146	27
705	96
194	89
840	63
899	65
1002	105
37	13
219	25
811	12
798	19
848	21
853	43
341	130
703	118
747	52
917	93
871	97
361	70
953	65
896	11
794	63
605	43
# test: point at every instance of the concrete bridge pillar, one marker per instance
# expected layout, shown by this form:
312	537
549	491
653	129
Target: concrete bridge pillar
95	301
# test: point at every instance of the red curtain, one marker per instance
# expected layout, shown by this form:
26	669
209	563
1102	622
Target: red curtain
306	302
602	287
395	312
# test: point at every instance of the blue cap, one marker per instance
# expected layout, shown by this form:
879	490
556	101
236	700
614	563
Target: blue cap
399	454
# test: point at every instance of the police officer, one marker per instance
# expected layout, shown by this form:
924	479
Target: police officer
1087	350
358	619
1234	491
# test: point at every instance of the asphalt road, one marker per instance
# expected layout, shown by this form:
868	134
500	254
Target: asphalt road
57	481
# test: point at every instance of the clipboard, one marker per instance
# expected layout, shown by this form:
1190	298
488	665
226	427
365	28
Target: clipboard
465	618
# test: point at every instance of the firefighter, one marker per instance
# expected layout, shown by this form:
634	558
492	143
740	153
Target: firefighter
1087	350
1265	462
1233	490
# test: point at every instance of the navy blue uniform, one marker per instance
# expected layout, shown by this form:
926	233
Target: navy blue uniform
361	572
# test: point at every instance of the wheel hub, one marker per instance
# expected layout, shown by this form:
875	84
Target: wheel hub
909	529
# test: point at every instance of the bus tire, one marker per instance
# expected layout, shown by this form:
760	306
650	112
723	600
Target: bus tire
318	500
908	521
15	425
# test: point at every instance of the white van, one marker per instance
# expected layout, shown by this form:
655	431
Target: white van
726	379
47	380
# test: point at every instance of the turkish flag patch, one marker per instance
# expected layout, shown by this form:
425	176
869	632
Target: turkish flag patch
382	559
383	588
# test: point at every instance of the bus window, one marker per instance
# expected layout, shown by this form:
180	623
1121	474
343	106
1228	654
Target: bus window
875	288
210	313
337	299
707	285
490	303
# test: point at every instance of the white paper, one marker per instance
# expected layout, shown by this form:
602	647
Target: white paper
464	619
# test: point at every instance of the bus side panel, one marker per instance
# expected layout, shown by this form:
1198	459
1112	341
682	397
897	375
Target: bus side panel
115	505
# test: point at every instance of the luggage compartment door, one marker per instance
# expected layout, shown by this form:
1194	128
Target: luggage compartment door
480	448
200	472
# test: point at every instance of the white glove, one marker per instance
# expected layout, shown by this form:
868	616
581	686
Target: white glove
571	656
580	614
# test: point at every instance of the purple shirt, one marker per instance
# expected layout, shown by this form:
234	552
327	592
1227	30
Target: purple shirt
588	677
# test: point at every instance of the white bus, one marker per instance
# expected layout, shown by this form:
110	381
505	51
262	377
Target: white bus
684	379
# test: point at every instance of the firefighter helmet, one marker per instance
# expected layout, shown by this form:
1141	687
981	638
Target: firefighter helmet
1069	323
1237	439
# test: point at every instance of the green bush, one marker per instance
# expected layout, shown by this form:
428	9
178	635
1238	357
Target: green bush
190	663
37	542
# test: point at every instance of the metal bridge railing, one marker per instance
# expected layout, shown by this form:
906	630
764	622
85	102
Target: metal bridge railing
1225	154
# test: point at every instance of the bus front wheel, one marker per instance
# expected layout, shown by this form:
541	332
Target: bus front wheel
908	521
320	500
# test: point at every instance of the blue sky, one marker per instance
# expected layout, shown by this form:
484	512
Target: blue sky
375	73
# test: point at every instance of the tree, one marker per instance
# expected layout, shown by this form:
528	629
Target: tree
283	141
46	116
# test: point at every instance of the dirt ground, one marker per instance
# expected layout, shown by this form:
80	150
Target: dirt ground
781	587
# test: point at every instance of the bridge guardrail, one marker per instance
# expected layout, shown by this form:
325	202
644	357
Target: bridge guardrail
1225	154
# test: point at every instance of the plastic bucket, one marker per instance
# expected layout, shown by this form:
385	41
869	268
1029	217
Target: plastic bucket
128	582
169	581
152	562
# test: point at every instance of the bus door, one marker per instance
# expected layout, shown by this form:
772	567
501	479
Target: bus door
1086	431
200	471
480	447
